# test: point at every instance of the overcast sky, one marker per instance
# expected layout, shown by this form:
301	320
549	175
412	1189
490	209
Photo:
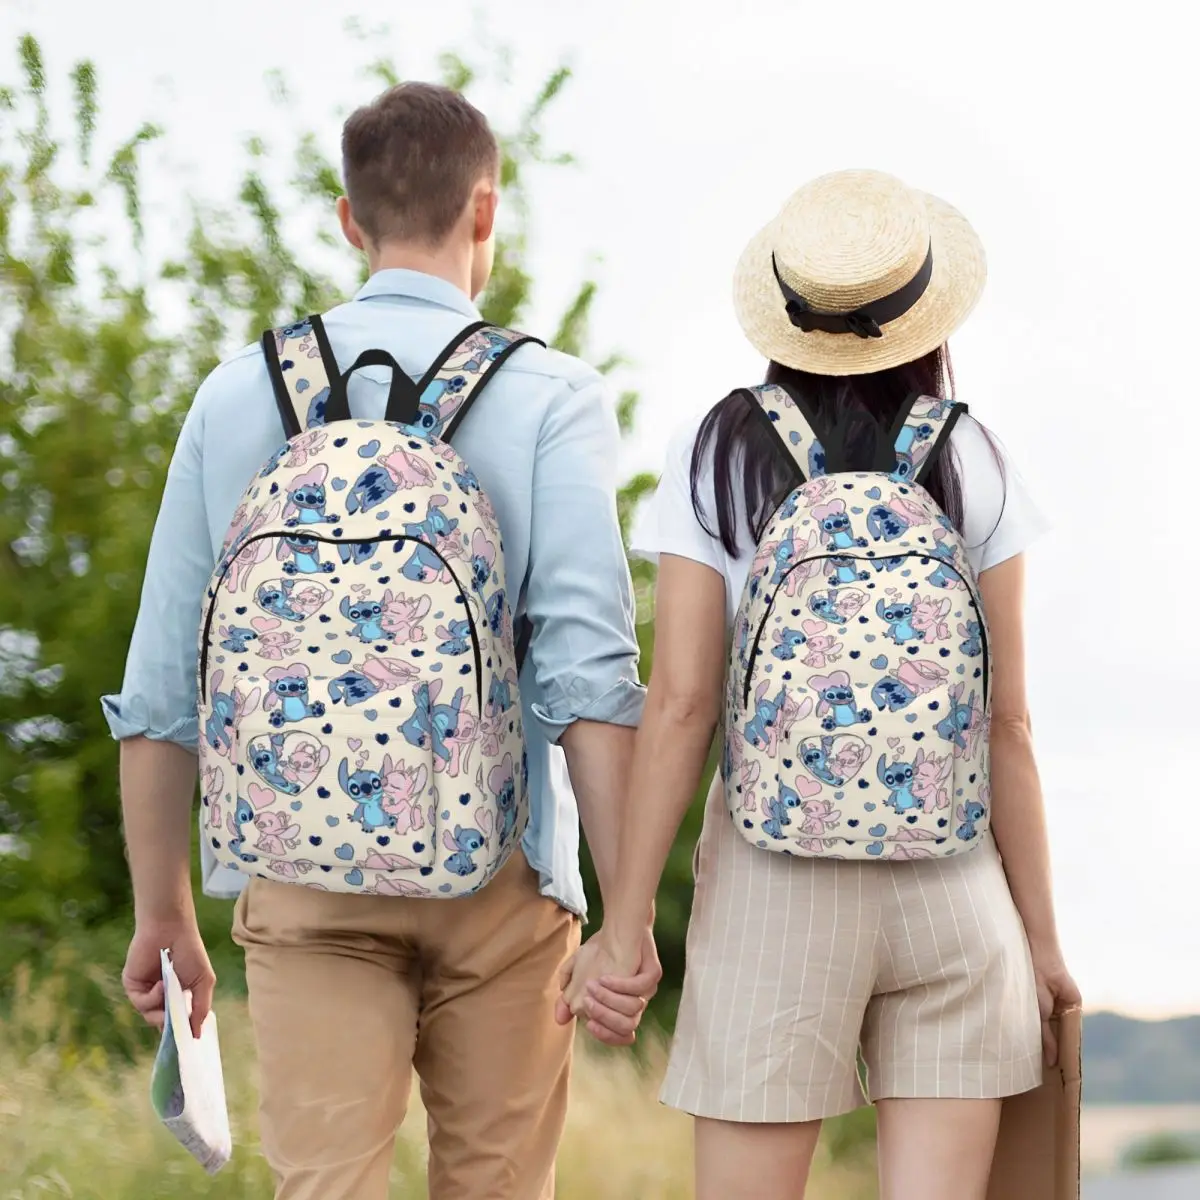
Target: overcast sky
1066	137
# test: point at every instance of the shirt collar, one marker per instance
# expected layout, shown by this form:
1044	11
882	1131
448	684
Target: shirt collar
397	281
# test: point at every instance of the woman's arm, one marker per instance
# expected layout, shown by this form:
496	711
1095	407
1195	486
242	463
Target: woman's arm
683	705
1018	813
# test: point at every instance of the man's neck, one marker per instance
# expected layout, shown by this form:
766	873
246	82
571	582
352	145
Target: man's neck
448	263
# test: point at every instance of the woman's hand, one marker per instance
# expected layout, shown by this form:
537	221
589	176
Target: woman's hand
1056	991
609	986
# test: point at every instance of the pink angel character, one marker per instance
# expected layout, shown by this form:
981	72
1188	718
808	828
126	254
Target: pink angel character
816	490
277	833
489	735
376	860
904	837
291	868
304	761
819	817
407	470
823	648
303	446
920	676
254	553
799	575
849	755
929	618
212	780
387	674
930	776
277	644
400	887
459	743
401	617
401	787
308	598
792	711
227	709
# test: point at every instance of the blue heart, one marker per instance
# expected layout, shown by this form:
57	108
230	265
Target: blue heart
443	887
296	805
856	511
852	824
240	611
332	821
339	442
322	791
331	637
354	878
418	847
910	717
337	484
917	737
839	795
302	385
879	662
877	831
370	449
382	516
345	852
962	670
855	653
870	637
382	738
342	656
869	805
872	493
370	714
875	848
383	839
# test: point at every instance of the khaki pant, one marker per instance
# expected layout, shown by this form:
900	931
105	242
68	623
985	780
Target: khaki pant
349	993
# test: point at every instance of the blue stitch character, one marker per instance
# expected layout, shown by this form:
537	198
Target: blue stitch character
760	729
365	788
785	556
316	408
306	499
494	345
898	778
500	693
288	697
972	635
836	705
242	814
906	443
778	807
790	506
366	616
436	524
463	843
891	695
898	616
227	709
265	758
970	814
497	612
816	758
432	724
237	638
424	566
834	523
892	562
305	555
357	552
372	487
429	412
504	788
456	637
944	574
275	598
787	642
816	460
886	524
957	723
466	480
353	687
272	463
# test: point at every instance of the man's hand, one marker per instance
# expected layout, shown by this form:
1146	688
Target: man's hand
142	977
610	988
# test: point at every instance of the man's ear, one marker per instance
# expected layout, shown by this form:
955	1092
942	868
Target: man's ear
350	229
486	197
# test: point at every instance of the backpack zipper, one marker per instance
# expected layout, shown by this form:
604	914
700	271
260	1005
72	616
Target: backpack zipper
983	638
258	537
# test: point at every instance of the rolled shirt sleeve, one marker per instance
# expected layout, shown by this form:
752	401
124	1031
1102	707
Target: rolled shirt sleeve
579	596
158	697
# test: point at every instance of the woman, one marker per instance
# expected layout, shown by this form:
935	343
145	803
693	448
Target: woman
932	950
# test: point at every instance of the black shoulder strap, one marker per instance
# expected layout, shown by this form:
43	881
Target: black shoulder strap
455	380
793	426
922	427
303	373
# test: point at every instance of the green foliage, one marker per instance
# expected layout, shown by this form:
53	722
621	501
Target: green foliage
93	386
1162	1149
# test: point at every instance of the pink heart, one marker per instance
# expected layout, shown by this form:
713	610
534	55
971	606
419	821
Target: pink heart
260	796
353	743
895	743
813	627
264	624
807	787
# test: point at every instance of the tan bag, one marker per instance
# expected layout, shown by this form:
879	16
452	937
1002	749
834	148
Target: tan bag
1037	1152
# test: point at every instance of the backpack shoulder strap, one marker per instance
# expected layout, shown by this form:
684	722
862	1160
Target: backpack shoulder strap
921	430
794	427
455	380
302	370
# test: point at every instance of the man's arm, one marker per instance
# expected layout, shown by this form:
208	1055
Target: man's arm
155	717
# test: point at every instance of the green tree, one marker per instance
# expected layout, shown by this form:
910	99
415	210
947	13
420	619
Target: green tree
93	386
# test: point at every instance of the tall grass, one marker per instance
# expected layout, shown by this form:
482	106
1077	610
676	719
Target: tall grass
76	1122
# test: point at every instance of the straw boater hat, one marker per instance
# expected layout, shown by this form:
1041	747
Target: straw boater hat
858	272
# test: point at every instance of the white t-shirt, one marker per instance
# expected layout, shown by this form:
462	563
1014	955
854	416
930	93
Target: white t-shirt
1000	519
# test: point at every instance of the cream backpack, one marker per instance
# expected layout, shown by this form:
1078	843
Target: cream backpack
360	718
857	701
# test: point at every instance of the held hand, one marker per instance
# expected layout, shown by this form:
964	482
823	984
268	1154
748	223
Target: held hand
142	976
610	988
1056	991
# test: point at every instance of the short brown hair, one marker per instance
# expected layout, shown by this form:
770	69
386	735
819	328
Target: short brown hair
410	159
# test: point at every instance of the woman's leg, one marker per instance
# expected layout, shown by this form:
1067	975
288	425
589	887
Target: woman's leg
936	1149
753	1161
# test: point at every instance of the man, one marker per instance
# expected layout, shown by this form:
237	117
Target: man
349	992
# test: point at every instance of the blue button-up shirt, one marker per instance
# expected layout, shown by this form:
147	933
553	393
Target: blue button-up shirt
543	441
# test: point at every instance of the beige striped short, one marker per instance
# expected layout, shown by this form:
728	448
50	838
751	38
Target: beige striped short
796	966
